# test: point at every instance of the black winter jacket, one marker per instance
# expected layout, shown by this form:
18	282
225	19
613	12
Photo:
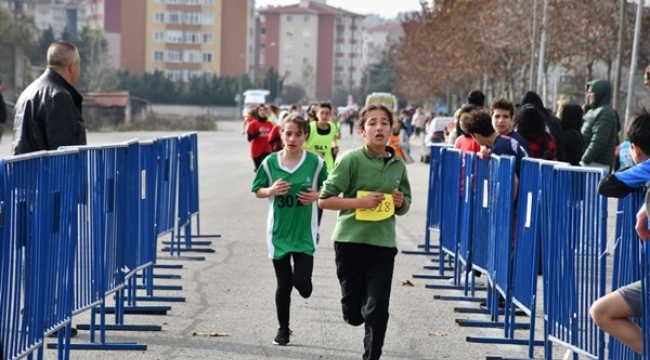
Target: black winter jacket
48	115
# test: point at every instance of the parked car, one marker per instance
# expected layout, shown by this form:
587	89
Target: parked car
433	134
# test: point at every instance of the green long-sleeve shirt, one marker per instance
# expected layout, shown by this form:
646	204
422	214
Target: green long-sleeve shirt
359	170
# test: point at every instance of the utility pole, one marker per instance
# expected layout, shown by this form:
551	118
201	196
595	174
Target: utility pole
619	55
542	52
533	47
635	50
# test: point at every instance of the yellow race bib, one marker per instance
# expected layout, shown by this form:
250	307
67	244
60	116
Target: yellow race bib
381	212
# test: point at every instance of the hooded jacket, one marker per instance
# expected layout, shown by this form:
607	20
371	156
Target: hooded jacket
599	127
48	115
571	120
552	122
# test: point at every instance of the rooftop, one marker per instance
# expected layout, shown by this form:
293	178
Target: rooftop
306	8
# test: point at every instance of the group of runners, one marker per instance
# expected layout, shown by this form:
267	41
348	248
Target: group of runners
367	185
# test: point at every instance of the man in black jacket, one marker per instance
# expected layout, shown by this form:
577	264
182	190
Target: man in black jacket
48	112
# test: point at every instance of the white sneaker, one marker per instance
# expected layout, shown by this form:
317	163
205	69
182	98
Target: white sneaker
478	281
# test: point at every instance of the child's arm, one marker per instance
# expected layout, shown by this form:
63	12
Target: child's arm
642	224
279	187
337	203
620	184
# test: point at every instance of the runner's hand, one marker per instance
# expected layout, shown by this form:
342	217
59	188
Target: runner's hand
372	200
280	187
308	197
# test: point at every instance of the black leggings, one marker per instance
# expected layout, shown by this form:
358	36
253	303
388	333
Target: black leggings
288	278
258	160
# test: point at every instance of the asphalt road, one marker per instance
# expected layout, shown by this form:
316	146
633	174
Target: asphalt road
232	290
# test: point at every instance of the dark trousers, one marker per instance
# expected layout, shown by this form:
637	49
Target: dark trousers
288	278
365	273
258	160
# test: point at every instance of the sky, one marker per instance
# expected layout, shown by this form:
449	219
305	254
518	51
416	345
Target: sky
385	8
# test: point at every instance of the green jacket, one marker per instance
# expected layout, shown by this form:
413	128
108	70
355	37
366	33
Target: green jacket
358	170
599	128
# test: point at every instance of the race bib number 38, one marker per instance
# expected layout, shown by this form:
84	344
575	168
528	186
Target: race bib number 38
381	212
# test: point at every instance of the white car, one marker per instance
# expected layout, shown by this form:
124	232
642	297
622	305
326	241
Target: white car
434	134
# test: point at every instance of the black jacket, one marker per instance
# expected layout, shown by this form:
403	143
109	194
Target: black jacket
3	110
48	115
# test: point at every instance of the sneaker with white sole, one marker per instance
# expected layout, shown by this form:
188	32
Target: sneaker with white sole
282	338
478	281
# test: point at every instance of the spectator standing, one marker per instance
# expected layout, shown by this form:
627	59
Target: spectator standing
503	121
571	119
464	141
599	128
419	120
476	97
552	122
530	123
48	112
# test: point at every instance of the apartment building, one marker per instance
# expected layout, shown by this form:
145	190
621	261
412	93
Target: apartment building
311	44
377	39
182	38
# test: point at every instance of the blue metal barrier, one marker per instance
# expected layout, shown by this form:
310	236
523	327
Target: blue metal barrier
189	160
37	251
576	278
480	217
451	162
645	298
434	196
188	195
626	269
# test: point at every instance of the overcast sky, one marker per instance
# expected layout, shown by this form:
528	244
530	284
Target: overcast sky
387	9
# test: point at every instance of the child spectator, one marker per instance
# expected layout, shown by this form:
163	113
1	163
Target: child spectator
574	143
531	125
291	180
612	312
464	141
374	186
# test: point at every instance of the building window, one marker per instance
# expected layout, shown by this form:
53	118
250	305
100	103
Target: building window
339	20
306	33
262	59
209	2
43	10
305	61
289	33
192	56
353	48
340	33
175	17
306	47
158	36
262	18
288	46
287	74
207	38
207	57
174	1
174	36
289	18
159	17
339	48
193	17
174	74
307	18
192	2
338	62
263	31
158	56
192	37
208	19
174	55
288	60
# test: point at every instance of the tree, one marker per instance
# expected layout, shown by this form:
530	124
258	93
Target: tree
96	71
293	94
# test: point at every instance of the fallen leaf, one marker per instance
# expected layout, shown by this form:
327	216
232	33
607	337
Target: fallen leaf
407	283
437	334
212	334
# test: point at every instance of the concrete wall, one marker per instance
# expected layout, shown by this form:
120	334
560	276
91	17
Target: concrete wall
217	112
